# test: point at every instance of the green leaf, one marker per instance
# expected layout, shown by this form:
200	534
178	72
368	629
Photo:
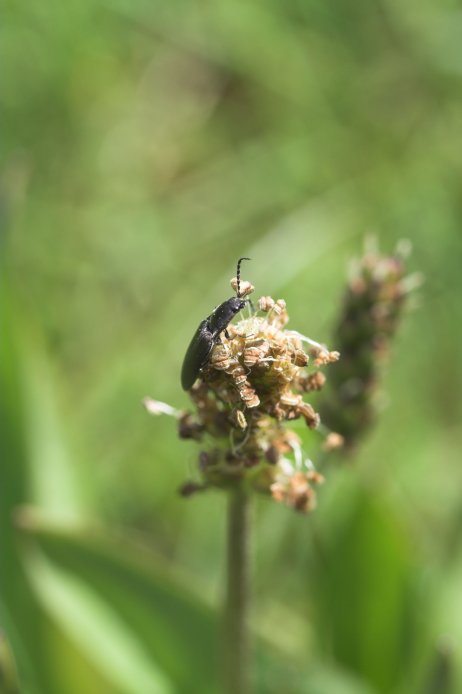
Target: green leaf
19	614
46	661
121	606
365	598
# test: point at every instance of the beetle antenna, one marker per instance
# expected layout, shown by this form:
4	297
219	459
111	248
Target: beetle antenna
238	276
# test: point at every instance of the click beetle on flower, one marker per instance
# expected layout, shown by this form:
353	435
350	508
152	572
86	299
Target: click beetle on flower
208	334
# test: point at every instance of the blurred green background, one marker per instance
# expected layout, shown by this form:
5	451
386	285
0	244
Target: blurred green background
146	146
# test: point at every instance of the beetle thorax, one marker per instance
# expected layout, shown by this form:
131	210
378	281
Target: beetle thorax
224	313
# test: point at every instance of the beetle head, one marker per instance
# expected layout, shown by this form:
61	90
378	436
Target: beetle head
236	304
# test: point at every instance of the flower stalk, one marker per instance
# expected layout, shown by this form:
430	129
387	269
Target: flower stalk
236	628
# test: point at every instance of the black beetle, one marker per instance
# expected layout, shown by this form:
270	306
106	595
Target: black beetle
208	334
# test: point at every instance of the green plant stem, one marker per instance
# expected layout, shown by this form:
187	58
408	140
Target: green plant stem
236	656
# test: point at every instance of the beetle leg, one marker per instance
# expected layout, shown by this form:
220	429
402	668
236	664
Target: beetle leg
227	335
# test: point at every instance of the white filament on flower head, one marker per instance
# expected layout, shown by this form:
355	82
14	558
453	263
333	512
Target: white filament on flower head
250	326
156	407
304	338
410	282
404	248
295	446
286	466
309	464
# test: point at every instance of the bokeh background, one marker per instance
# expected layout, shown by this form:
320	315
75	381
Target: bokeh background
146	146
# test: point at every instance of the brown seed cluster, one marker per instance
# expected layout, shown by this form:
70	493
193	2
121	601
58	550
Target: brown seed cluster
250	388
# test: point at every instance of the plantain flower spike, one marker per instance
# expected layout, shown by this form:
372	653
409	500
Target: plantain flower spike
376	295
250	389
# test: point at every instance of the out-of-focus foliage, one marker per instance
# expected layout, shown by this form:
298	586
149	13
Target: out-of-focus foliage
146	146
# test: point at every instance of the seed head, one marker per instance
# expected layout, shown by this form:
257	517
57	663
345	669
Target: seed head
375	296
252	385
246	288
